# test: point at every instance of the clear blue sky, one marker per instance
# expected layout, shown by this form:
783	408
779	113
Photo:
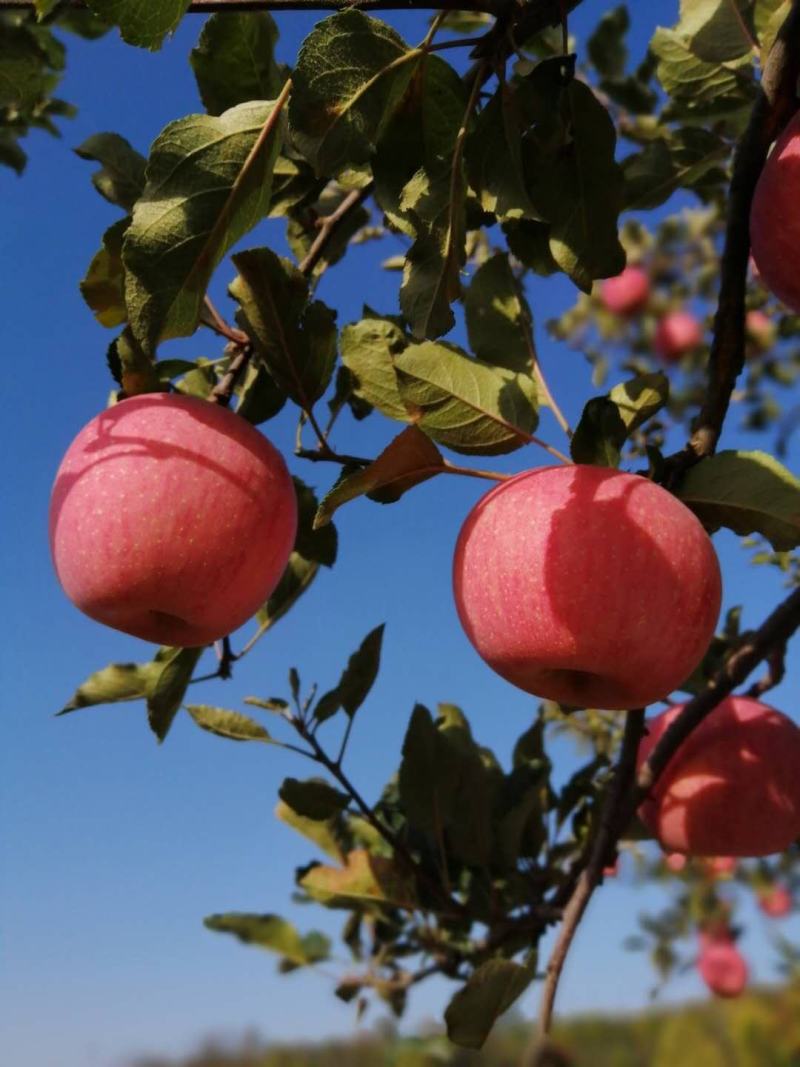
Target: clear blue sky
112	849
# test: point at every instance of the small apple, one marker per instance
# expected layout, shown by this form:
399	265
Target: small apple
760	329
722	967
776	902
732	787
675	862
171	519
774	229
626	293
677	333
587	585
720	866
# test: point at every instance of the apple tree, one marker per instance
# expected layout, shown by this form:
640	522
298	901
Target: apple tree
497	147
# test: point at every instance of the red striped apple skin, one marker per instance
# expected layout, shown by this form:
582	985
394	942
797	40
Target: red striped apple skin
171	519
587	585
774	219
732	788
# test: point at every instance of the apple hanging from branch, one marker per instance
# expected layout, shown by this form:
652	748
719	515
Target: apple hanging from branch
587	585
171	519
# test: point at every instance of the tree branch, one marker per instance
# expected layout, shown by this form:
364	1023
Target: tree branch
329	225
774	106
209	7
603	842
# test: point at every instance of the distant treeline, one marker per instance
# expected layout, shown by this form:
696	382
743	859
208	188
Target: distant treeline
761	1029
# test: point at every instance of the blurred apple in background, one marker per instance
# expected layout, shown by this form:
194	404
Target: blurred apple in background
677	333
722	967
626	293
776	902
732	788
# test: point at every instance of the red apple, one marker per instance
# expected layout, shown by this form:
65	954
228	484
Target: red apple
676	334
760	329
774	220
587	586
626	293
720	866
722	967
776	901
733	786
171	519
675	862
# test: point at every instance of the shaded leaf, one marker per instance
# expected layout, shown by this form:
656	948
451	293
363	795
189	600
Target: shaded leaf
230	724
494	159
367	350
103	288
260	398
357	679
748	492
273	933
607	421
166	697
295	338
351	73
409	459
121	178
208	183
326	835
490	990
143	24
498	316
313	799
695	82
234	62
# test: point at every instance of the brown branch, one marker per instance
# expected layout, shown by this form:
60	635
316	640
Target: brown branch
330	223
774	106
209	7
223	391
776	669
604	840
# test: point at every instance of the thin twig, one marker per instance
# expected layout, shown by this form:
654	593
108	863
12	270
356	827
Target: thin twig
209	7
541	381
603	842
329	225
223	391
776	669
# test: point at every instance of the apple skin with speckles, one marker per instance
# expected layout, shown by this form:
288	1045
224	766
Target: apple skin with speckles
172	519
721	965
774	229
587	585
733	786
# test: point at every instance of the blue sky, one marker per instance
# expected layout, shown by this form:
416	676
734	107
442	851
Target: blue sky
113	849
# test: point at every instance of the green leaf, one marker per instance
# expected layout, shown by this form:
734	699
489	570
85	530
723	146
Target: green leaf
577	186
118	681
494	158
325	835
103	288
230	724
695	82
498	317
367	348
295	338
529	242
490	990
260	398
406	461
364	877
142	24
351	74
26	71
683	160
234	60
420	137
313	799
640	398
466	404
607	421
208	183
747	492
166	697
429	773
356	681
273	933
717	30
606	46
121	178
137	371
432	272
